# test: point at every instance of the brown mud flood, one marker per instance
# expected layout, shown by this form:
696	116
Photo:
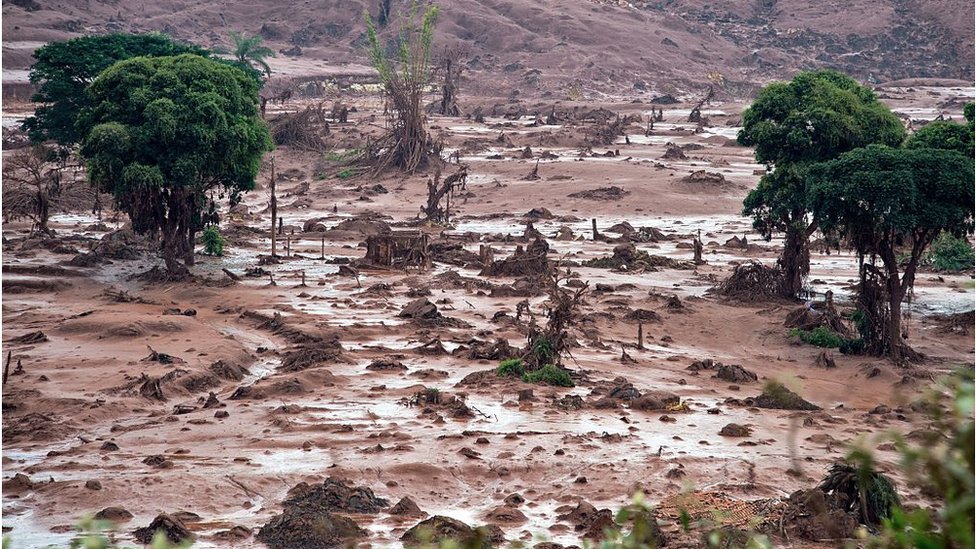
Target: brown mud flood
217	396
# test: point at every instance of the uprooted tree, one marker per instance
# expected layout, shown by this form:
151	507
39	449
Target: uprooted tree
162	133
884	201
793	125
405	75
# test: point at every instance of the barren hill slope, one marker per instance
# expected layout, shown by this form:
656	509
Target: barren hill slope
539	46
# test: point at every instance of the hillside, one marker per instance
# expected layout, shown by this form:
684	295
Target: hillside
542	47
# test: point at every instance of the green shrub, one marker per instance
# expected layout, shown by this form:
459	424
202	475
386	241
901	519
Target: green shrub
345	174
543	350
213	242
550	375
949	253
821	336
513	367
342	156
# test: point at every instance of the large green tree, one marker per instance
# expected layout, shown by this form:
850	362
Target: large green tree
163	132
62	71
883	200
792	125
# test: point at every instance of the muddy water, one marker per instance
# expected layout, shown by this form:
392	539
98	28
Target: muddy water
352	422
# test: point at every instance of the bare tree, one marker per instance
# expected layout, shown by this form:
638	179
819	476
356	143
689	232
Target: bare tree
450	67
34	186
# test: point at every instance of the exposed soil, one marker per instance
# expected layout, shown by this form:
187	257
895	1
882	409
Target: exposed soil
350	380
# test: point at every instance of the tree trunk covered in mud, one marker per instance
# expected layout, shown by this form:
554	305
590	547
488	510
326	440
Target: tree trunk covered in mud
795	261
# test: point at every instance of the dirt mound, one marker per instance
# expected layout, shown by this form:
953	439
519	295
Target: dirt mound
123	244
174	529
776	396
407	507
603	193
334	495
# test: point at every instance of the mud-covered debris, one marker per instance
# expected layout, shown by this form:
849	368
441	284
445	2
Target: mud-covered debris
813	515
776	396
733	373
308	528
305	356
735	430
228	370
420	308
235	533
334	495
17	484
386	365
602	193
440	528
655	400
30	338
588	519
174	529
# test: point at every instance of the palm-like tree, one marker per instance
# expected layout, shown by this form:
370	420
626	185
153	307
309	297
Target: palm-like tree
248	50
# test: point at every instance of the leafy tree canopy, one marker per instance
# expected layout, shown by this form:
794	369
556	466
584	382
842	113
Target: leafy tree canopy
161	131
816	116
943	135
62	70
877	193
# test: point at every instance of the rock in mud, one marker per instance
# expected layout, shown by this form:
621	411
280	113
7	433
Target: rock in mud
655	400
407	507
336	496
113	514
777	396
172	527
440	528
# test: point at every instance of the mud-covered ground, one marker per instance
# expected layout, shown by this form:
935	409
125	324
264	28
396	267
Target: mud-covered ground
321	379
